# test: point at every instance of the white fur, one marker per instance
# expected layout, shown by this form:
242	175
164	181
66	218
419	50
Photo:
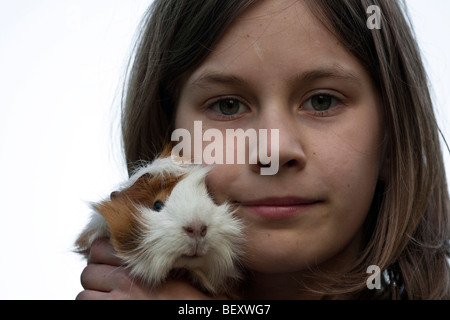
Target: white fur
165	244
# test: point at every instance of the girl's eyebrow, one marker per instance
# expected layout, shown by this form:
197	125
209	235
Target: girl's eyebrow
331	72
209	78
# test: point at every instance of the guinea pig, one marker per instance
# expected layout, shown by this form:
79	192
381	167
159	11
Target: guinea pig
163	219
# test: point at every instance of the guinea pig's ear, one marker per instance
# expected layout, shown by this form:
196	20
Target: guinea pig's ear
114	195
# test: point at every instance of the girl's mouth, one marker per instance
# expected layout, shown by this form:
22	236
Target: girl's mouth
278	208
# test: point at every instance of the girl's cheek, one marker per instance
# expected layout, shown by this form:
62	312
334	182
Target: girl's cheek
219	182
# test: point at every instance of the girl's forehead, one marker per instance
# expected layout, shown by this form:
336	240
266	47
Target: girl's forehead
276	21
278	38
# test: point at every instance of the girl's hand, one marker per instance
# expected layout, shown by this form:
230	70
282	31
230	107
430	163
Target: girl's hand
106	277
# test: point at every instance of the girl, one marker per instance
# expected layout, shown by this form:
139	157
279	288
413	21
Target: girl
360	184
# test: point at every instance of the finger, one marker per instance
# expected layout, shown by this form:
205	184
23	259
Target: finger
103	277
92	295
103	252
176	289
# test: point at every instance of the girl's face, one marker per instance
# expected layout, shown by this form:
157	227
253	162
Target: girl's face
277	67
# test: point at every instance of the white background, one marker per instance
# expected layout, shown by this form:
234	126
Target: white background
61	68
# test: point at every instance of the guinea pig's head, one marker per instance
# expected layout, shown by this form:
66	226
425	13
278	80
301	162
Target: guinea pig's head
165	219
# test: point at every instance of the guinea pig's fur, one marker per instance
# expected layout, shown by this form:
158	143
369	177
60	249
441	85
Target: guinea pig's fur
163	219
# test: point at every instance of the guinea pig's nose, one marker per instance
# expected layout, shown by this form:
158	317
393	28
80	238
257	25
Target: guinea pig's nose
196	230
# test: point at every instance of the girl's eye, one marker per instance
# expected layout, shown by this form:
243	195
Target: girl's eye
158	205
228	108
321	103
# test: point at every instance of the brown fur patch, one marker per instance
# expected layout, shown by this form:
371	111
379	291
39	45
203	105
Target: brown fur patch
121	211
167	150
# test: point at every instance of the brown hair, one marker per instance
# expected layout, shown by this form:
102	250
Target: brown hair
408	229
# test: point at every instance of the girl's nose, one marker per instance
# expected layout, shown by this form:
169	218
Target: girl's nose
289	145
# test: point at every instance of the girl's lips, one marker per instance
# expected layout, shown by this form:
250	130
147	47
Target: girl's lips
278	208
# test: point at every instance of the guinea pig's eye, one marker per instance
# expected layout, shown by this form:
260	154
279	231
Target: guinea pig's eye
158	205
